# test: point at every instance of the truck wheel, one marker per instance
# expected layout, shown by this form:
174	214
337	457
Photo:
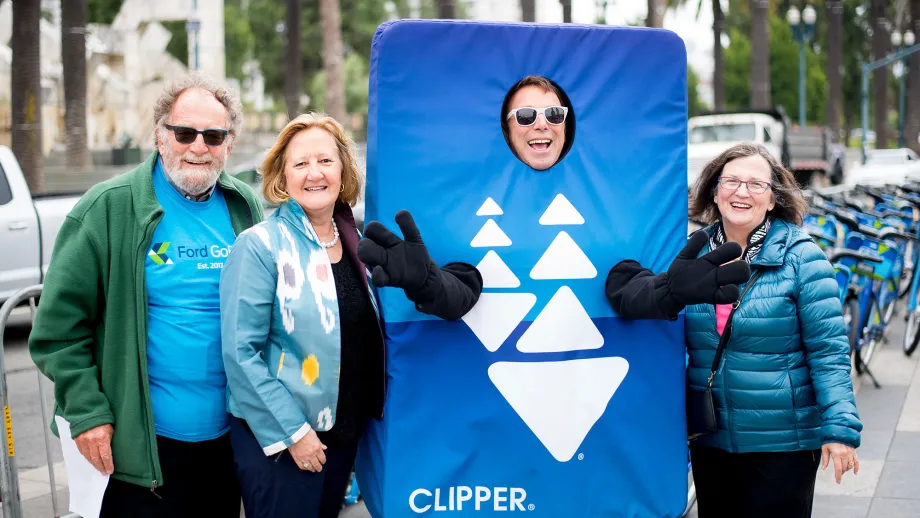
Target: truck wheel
837	177
821	179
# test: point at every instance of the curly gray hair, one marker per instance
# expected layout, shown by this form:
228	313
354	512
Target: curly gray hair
223	94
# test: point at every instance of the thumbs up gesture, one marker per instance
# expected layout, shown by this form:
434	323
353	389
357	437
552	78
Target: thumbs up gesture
710	279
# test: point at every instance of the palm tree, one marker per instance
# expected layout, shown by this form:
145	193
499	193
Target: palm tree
26	99
655	14
73	58
566	11
912	124
760	54
331	20
528	10
718	70
447	9
880	76
834	64
293	70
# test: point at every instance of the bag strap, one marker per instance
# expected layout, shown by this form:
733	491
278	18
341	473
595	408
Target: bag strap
727	332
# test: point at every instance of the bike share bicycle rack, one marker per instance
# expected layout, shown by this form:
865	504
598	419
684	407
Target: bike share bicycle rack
9	471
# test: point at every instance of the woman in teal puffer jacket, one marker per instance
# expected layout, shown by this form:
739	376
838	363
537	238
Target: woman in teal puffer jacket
783	395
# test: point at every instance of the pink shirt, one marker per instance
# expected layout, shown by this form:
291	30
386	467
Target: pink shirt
722	312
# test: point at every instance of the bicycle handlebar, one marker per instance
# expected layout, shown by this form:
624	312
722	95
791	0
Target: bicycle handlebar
887	232
839	253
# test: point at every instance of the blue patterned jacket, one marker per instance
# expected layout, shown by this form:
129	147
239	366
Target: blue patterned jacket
280	326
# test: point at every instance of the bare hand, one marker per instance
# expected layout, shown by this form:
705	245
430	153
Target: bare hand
844	457
96	445
308	452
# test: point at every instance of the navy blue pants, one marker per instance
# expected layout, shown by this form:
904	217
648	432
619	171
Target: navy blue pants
198	481
754	485
273	486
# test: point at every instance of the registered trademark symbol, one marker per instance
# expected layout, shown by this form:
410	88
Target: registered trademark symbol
581	456
531	507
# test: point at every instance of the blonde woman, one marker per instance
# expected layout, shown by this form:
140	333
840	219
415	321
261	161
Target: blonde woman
302	342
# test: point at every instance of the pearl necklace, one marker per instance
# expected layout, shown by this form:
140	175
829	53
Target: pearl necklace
335	240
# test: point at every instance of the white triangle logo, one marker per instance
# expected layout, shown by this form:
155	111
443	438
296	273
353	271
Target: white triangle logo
489	208
564	259
496	315
490	235
495	273
563	325
561	212
560	401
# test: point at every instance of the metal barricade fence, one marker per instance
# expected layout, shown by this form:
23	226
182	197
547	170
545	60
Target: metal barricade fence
9	472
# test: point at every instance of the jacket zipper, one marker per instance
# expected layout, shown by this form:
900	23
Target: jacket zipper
731	316
142	332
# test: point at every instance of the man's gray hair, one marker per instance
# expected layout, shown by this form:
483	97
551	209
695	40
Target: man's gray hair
222	93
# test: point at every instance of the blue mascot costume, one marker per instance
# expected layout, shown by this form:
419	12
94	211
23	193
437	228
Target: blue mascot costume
539	399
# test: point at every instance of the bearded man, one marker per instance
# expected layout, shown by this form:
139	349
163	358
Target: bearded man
128	327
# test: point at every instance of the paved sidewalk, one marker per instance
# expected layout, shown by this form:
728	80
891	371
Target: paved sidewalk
888	484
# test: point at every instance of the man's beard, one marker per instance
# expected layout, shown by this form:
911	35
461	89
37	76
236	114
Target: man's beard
193	180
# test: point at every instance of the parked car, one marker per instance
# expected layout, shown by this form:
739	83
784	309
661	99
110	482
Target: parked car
887	166
29	224
811	153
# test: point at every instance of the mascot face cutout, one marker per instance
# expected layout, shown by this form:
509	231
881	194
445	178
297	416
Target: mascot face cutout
541	399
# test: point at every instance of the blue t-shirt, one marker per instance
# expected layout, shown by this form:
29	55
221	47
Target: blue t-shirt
185	369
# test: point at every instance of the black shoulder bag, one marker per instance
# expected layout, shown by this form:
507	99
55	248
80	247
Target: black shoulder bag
701	409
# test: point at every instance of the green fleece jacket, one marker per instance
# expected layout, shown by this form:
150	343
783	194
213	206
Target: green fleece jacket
90	331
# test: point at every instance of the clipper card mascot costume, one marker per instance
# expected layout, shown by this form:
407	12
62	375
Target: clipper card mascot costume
539	400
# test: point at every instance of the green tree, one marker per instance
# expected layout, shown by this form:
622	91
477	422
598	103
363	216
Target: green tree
178	43
784	73
102	11
239	41
737	70
695	105
360	19
355	72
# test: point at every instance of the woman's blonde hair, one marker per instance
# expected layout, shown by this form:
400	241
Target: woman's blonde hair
272	168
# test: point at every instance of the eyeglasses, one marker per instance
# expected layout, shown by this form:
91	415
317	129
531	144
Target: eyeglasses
186	135
526	116
753	186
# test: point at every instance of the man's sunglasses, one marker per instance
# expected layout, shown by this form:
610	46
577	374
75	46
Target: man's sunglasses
186	135
526	116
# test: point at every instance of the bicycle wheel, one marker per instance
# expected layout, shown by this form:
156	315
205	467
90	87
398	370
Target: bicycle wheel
852	321
888	296
911	336
872	337
907	275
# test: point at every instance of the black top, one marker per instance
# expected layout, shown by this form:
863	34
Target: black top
359	335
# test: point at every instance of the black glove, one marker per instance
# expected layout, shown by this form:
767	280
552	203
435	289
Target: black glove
705	280
400	263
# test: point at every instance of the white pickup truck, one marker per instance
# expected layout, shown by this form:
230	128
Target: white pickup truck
810	152
29	224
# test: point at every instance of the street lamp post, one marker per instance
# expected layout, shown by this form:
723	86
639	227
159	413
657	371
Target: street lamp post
896	40
803	25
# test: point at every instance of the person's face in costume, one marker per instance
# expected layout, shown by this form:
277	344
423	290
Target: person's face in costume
744	208
313	172
540	144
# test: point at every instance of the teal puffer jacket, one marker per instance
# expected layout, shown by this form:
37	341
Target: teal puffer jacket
784	382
